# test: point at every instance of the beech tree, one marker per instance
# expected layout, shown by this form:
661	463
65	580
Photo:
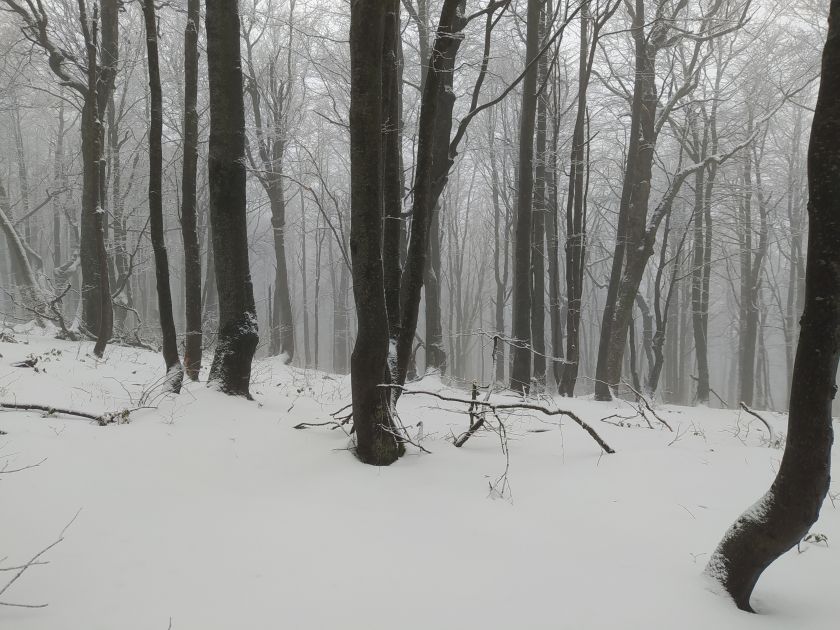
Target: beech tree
783	516
238	335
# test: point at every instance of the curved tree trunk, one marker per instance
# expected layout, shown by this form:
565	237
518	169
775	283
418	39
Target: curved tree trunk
783	516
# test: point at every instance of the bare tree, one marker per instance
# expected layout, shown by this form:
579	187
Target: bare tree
783	516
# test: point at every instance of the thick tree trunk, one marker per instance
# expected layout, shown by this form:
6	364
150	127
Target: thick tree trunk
189	229
520	373
783	516
376	440
174	371
238	335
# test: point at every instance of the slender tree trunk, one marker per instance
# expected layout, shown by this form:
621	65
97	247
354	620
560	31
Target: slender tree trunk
238	334
432	167
392	163
538	231
189	229
520	374
307	357
174	371
58	203
576	220
783	516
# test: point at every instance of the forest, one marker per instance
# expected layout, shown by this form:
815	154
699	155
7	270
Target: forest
290	288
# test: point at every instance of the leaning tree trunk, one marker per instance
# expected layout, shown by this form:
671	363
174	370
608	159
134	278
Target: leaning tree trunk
520	371
174	371
376	439
189	232
32	294
431	171
632	218
238	336
783	516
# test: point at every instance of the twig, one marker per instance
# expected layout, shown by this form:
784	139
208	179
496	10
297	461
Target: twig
763	421
642	399
496	407
32	562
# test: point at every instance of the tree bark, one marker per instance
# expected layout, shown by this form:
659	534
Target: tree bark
189	230
376	441
520	373
174	371
783	516
538	231
238	335
432	167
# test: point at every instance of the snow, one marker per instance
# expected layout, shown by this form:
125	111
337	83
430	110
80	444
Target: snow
213	512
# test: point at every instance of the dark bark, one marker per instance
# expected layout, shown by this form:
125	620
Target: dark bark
174	371
189	229
432	167
538	231
376	441
635	196
392	163
520	372
237	336
576	218
96	292
786	512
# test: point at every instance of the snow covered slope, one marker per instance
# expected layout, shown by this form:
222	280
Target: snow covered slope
213	512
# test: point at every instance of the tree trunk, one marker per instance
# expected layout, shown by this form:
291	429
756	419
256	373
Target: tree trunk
539	220
376	440
628	263
96	290
783	516
392	163
520	373
576	220
189	230
238	336
32	295
437	102
174	371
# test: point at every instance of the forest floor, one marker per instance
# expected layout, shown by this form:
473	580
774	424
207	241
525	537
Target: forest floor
208	512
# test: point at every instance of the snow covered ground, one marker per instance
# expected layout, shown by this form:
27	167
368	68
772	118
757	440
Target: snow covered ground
213	512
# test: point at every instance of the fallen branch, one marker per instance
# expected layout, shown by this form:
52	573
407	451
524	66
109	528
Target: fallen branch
763	421
640	398
109	417
496	407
